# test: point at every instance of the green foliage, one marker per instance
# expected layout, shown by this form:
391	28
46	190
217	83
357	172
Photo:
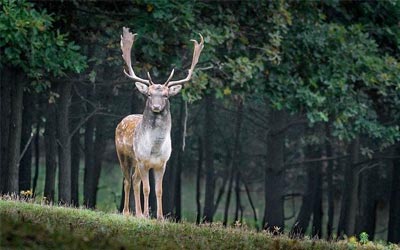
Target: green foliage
364	238
338	66
29	41
336	72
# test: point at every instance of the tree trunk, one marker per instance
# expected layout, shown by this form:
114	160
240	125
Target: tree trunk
178	188
37	155
75	150
394	211
51	152
253	208
311	196
228	196
238	200
330	187
317	206
6	82
367	203
209	159
198	178
75	162
349	198
99	148
89	161
14	140
1	126
88	199
225	178
275	174
236	154
93	169
179	164
152	195
25	169
64	139
169	186
89	152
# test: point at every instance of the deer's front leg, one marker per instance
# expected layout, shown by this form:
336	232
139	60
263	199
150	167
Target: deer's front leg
136	190
144	174
158	176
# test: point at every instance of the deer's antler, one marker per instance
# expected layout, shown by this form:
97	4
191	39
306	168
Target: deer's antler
198	47
170	77
127	39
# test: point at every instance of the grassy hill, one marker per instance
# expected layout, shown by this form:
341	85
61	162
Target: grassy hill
33	226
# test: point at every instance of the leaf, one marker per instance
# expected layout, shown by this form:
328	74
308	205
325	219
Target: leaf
227	91
92	76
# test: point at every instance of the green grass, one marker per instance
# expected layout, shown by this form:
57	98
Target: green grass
33	226
110	189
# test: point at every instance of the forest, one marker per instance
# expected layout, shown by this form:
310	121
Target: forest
289	124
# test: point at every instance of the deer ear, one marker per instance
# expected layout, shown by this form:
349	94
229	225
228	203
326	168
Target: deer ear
174	90
143	88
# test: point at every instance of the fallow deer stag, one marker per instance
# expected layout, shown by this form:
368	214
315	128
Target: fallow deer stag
143	142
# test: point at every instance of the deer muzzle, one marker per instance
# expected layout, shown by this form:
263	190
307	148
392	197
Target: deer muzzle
156	108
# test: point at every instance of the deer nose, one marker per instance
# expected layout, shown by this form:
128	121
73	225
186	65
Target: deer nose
156	108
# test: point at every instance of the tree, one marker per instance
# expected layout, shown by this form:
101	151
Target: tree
208	212
32	48
294	65
394	215
64	139
26	145
17	89
274	174
50	141
75	148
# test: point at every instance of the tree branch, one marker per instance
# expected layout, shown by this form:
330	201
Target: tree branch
94	105
83	121
322	159
26	147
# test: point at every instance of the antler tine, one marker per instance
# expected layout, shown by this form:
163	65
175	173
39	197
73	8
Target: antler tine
198	47
170	77
150	80
127	40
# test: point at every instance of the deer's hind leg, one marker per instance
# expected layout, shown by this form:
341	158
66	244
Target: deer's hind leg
126	170
136	189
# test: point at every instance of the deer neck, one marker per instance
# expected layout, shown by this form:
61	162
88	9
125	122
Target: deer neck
154	134
159	123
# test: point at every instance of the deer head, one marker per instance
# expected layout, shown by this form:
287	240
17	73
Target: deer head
158	94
